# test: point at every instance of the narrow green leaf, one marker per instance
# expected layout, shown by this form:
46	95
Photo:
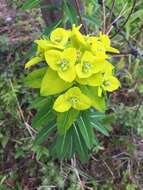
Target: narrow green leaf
86	131
95	122
93	114
137	14
65	120
41	120
30	4
62	143
100	128
43	134
39	102
44	115
92	20
63	146
70	12
50	28
70	150
80	146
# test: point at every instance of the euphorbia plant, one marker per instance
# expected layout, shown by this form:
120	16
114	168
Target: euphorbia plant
73	83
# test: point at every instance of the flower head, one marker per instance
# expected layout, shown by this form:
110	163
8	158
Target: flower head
74	59
89	65
78	40
73	98
60	36
104	39
109	83
63	62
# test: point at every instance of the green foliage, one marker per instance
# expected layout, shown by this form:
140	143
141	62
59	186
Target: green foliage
43	133
86	131
30	4
130	118
44	115
70	11
65	120
98	102
76	131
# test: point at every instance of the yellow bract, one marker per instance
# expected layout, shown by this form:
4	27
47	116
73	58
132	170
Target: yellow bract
62	62
73	98
107	43
60	36
89	65
74	59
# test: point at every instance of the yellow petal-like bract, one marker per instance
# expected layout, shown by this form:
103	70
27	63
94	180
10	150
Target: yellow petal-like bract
73	98
74	61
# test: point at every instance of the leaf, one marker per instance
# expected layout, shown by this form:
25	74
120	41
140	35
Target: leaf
137	14
100	128
40	152
95	122
34	78
79	144
86	131
50	28
33	61
92	20
70	12
30	4
43	133
65	120
97	102
39	102
44	115
98	116
71	147
69	144
53	84
63	146
30	53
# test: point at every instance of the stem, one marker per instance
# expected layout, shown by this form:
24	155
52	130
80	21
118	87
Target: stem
127	19
111	11
27	126
77	3
104	17
132	9
50	16
113	24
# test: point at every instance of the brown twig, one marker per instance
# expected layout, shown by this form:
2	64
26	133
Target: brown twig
27	126
77	3
122	12
127	19
104	17
132	9
111	11
73	164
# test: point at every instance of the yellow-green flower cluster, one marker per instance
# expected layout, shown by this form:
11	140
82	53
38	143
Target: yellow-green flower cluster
74	60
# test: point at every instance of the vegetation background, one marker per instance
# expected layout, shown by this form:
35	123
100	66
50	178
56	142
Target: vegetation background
117	164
